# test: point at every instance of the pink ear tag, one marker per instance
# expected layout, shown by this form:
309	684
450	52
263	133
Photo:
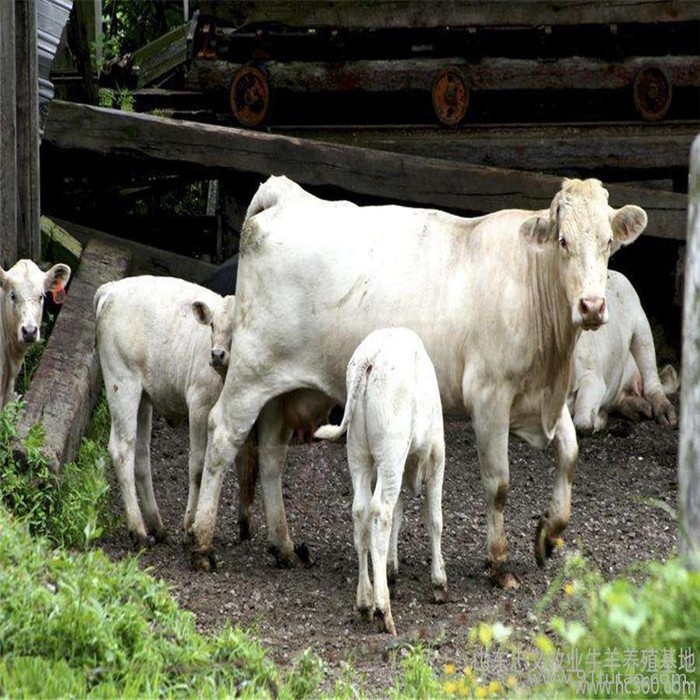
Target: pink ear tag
58	293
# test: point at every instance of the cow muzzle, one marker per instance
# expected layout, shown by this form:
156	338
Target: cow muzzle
219	358
593	312
30	333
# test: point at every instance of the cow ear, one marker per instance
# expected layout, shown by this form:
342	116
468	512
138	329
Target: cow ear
627	223
202	312
57	277
230	303
536	230
3	278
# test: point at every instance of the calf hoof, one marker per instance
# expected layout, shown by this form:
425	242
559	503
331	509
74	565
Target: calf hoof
141	541
385	621
160	534
504	579
203	561
303	554
544	545
365	612
440	593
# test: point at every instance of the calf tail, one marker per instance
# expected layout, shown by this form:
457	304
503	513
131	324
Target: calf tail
356	377
670	380
101	298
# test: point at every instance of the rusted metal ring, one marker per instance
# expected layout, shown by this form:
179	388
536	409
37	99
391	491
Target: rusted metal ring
249	96
450	94
652	90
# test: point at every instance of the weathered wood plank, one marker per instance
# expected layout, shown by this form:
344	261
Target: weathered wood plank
411	179
8	136
566	147
448	13
146	260
689	448
67	383
158	59
58	245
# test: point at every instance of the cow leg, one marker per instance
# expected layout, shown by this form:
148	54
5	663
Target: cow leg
144	477
392	565
124	407
361	468
274	435
556	518
588	417
248	470
491	423
432	516
198	447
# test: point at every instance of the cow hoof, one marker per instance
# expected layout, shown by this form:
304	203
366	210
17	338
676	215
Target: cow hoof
303	554
543	544
385	621
392	572
506	580
203	561
365	613
161	535
140	542
440	594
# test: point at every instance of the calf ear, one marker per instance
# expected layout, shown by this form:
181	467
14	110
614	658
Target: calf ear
202	312
536	230
57	277
3	278
627	223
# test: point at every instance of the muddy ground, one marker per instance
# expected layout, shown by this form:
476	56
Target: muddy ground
612	522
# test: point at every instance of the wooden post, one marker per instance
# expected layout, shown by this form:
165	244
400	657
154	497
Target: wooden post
98	35
689	452
27	76
8	137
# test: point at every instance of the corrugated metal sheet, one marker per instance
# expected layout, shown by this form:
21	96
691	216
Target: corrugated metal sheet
51	18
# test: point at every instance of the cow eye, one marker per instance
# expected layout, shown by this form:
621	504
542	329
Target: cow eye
563	244
13	296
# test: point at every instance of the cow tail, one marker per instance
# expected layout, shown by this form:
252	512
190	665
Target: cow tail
355	382
100	299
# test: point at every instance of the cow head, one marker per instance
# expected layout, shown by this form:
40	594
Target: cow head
585	231
220	320
23	289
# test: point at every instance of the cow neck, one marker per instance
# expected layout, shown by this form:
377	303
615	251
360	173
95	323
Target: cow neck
555	331
10	349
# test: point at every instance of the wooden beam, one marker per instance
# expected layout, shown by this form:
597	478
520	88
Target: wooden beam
558	147
67	383
8	136
146	260
28	227
410	179
689	447
370	14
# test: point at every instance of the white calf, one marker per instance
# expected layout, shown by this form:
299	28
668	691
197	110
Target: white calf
156	350
21	305
615	367
393	414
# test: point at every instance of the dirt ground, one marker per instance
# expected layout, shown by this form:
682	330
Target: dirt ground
612	522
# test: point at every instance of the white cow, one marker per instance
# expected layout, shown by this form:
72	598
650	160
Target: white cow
22	291
615	368
161	341
393	417
498	300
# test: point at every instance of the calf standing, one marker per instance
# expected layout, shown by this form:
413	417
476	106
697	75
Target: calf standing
615	367
157	350
23	288
393	417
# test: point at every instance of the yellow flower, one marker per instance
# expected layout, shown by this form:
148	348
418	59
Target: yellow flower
462	687
569	588
558	542
468	672
482	691
495	687
511	681
450	669
450	686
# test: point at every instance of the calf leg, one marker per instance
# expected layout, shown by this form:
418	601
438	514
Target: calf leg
491	424
248	470
432	516
361	468
144	477
588	417
392	565
124	402
198	446
556	517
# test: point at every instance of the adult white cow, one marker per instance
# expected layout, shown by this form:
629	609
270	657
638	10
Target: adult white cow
162	343
498	300
23	288
393	417
615	368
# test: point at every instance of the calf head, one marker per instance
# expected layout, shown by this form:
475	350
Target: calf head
585	231
220	320
23	289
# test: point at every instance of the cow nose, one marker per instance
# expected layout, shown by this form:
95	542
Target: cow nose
29	333
592	310
218	356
